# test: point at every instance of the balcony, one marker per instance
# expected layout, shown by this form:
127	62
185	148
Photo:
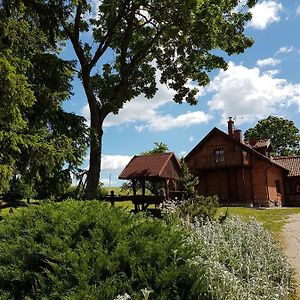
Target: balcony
209	162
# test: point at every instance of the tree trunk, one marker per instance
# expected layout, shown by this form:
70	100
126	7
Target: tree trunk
93	176
96	132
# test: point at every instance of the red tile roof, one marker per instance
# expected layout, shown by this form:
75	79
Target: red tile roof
146	166
292	163
258	144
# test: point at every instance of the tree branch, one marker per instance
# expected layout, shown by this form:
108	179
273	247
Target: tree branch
104	44
74	37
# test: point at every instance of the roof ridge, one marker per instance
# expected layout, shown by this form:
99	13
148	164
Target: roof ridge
163	167
285	157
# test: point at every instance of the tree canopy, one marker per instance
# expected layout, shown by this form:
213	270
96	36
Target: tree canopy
284	135
39	143
120	46
158	148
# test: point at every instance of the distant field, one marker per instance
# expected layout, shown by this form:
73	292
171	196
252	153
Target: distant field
273	219
117	190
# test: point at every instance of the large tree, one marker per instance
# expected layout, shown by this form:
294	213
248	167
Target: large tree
128	40
284	135
39	143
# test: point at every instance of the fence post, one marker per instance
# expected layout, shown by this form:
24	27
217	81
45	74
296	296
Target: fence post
112	196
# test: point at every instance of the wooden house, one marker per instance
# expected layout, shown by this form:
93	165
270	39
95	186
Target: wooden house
238	173
292	180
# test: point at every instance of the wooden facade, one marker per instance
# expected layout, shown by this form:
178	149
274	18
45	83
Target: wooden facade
236	172
292	181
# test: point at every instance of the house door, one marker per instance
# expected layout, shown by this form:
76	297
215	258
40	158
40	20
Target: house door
217	184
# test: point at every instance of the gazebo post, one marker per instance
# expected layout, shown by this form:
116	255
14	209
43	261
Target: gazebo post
136	208
175	184
143	187
134	187
167	188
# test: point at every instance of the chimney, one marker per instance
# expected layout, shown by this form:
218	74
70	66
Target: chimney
252	141
238	135
230	127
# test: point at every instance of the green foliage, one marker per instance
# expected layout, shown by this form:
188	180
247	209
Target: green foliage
102	191
158	148
76	250
71	192
187	180
200	207
176	38
197	207
39	142
19	190
284	135
15	96
87	250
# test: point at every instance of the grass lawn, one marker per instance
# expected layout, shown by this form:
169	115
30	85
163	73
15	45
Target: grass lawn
273	219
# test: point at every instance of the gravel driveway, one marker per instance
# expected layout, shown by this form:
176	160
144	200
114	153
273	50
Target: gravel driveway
291	239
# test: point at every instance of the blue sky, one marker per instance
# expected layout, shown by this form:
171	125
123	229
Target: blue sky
262	81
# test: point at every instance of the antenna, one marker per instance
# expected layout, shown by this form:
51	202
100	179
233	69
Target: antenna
237	118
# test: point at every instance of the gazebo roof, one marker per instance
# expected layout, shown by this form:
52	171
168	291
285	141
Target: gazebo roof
160	165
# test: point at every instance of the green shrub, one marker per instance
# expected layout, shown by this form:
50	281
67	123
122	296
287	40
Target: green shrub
88	250
71	192
194	207
200	207
102	191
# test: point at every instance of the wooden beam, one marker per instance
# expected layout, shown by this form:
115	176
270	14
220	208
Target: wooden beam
136	207
167	188
134	186
143	187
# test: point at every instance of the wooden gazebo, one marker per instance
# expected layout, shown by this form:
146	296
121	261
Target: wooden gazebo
160	168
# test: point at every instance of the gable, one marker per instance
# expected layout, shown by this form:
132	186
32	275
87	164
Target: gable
215	140
235	152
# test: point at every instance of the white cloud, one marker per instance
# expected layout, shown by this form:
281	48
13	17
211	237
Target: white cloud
182	154
140	108
167	122
268	62
285	49
114	162
272	72
146	112
265	13
94	9
250	93
298	10
191	139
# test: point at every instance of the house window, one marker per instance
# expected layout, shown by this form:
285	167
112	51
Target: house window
288	188
278	187
219	156
245	157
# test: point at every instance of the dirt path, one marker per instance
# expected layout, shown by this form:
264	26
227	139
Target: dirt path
291	239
